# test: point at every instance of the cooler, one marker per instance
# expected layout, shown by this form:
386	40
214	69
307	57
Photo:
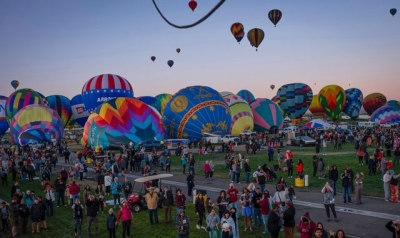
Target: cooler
299	182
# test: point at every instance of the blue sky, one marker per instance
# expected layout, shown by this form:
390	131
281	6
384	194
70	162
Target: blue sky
55	46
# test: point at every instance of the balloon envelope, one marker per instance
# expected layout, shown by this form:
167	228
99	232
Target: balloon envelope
103	88
237	30
195	110
153	58
394	104
294	99
122	120
393	11
178	50
246	95
255	36
192	4
163	100
149	100
79	113
3	120
241	113
267	115
354	100
62	105
15	84
275	16
373	101
385	115
332	99
19	99
315	108
170	63
35	123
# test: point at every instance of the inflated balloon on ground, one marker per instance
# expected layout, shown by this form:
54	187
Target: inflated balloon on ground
332	99
267	115
19	99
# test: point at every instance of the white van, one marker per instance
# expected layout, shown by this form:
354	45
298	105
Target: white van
213	138
173	143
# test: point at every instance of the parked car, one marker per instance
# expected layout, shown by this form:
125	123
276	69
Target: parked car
229	138
247	133
306	140
150	144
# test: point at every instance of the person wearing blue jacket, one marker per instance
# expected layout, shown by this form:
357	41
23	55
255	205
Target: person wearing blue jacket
116	188
111	221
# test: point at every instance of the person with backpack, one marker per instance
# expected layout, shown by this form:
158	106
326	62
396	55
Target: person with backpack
77	209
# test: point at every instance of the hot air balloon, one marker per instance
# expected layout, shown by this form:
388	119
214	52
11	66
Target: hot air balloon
315	108
79	113
149	100
170	63
153	58
393	11
70	124
354	100
255	36
192	4
237	31
195	110
332	99
267	115
35	123
275	16
373	101
241	113
385	115
163	100
62	105
19	99
272	86
394	104
178	50
104	87
294	99
15	84
122	120
3	120
246	95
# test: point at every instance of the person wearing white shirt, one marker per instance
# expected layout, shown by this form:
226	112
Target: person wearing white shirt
107	183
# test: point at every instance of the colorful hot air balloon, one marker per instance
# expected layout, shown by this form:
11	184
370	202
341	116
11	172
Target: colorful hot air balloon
246	95
272	86
195	110
178	50
3	120
394	104
393	11
71	123
149	100
79	113
153	58
332	99
275	16
373	101
237	30
35	123
294	99
385	115
170	63
255	36
103	88
15	84
241	113
354	100
267	115
192	4
62	105
163	100
316	108
19	99
122	120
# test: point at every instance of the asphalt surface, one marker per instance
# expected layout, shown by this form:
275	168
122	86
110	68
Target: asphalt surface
366	220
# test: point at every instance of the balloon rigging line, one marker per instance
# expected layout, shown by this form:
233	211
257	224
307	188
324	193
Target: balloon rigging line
193	24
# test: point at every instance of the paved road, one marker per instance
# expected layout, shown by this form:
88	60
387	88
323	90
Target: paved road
367	220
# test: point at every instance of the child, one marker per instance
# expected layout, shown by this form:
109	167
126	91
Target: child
291	193
68	195
111	222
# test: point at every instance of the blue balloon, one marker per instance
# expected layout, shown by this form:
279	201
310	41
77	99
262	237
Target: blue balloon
246	95
79	113
294	99
170	63
195	110
354	101
3	120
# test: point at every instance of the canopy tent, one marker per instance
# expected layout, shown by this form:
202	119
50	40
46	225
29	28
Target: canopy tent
317	123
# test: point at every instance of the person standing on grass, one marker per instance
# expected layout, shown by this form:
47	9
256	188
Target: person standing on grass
111	223
116	188
183	224
125	215
167	200
152	201
200	210
77	209
358	184
35	211
91	212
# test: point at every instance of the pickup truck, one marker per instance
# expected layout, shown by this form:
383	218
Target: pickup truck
229	138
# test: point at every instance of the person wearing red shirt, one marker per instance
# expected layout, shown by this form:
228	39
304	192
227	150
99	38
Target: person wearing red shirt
232	193
207	170
300	167
75	191
125	215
